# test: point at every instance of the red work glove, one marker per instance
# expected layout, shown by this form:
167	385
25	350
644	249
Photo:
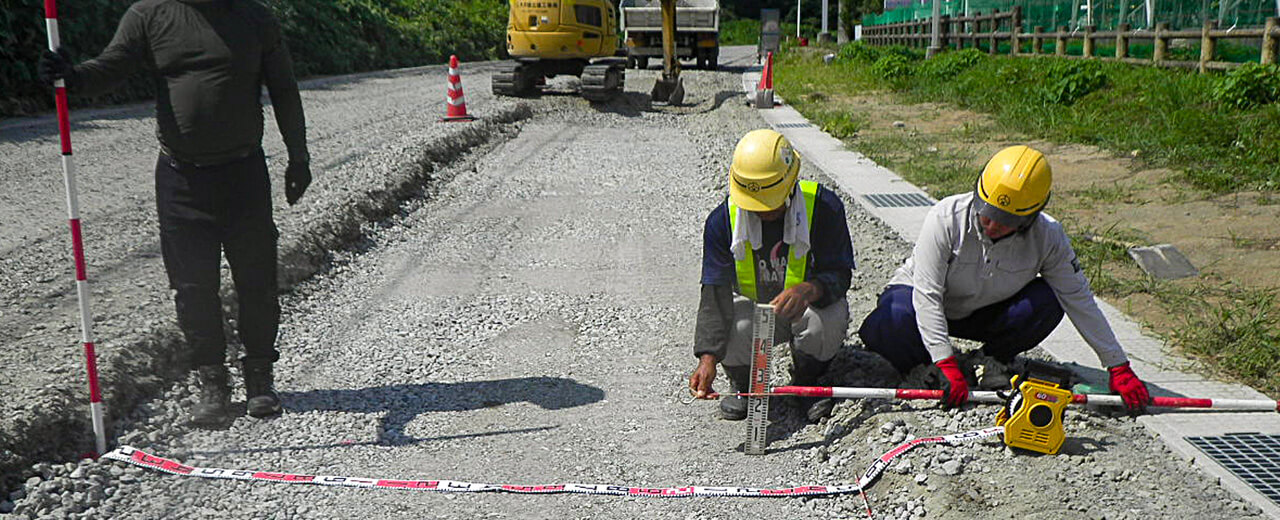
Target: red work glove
1131	390
956	391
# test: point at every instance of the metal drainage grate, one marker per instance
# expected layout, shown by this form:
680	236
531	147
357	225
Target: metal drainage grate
1253	457
794	125
898	200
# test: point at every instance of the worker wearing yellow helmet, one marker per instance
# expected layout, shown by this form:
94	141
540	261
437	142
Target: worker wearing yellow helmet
990	266
779	240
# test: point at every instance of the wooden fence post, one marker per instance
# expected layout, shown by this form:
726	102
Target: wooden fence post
992	27
1088	41
1060	42
1037	39
1161	43
944	28
1207	44
1015	27
1269	40
1122	41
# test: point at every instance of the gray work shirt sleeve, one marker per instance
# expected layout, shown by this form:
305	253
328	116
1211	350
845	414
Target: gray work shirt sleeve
930	261
1062	271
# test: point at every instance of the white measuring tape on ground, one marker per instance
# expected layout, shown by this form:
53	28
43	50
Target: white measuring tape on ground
141	458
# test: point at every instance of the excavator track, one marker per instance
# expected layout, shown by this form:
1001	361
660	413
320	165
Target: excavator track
512	79
602	82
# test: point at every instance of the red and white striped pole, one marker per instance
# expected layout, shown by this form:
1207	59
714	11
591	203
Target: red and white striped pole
77	245
1261	405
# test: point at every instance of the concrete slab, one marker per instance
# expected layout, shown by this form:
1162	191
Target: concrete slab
1165	373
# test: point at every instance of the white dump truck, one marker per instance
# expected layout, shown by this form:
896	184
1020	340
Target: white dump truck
697	31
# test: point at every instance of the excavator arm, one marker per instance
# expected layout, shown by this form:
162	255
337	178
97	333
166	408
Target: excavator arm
669	89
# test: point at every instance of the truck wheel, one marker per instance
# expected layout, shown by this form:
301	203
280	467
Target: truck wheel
713	62
642	62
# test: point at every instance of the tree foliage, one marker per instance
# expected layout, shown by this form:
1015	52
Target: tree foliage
324	37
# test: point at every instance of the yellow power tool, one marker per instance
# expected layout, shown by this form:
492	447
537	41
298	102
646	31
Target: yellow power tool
1032	415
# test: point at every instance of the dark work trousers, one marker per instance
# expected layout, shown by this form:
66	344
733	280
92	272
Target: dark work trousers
205	211
1006	328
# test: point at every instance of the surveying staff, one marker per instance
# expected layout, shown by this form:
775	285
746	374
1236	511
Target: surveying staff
776	240
209	59
990	266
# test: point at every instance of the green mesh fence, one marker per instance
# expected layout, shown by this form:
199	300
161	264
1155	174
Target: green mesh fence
1105	14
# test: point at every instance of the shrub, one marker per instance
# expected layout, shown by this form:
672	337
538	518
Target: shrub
1248	86
892	67
1065	81
858	52
949	64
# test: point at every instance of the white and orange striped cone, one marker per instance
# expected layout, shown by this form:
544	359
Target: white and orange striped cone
455	103
764	89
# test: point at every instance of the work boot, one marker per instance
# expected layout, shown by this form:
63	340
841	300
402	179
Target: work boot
805	371
215	397
734	408
992	373
259	389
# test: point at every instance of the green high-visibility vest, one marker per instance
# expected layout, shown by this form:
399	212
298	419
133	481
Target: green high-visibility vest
746	267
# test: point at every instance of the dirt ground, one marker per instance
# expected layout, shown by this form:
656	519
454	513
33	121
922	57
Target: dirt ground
1231	239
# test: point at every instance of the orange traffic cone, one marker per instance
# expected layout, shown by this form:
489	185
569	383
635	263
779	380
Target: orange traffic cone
764	89
766	78
455	103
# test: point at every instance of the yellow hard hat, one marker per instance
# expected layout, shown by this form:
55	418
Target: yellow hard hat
1014	186
764	171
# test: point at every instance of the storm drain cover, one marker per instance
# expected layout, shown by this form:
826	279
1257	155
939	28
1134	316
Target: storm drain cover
1253	457
898	200
794	125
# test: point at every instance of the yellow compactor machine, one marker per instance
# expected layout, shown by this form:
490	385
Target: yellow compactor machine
546	38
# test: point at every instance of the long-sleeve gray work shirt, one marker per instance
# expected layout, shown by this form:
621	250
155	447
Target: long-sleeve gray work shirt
956	269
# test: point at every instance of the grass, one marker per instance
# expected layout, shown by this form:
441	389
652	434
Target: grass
1170	118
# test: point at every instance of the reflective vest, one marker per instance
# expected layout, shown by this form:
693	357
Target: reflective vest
746	267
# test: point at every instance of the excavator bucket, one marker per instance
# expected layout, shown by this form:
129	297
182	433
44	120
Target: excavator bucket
669	89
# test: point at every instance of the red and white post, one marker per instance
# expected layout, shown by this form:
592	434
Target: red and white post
77	244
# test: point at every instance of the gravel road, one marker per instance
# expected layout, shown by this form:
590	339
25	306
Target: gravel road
509	302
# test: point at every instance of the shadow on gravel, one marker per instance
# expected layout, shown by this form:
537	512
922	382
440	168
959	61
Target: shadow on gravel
403	403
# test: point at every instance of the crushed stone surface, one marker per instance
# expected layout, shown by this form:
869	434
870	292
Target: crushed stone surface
525	316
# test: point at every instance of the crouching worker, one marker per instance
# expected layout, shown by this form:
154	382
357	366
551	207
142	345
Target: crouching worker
774	240
991	267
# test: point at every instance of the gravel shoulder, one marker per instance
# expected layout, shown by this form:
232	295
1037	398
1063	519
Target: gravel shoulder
523	314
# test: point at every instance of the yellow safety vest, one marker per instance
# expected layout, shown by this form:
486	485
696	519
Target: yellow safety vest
746	267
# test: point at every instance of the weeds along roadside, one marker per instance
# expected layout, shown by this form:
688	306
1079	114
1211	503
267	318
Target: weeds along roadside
1218	133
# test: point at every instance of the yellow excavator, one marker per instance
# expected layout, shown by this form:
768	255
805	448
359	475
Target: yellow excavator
546	38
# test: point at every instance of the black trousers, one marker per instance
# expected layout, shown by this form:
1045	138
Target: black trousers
205	211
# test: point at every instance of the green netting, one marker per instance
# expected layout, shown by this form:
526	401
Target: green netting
1106	14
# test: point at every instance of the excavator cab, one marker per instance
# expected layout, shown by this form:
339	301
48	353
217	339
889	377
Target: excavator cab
547	38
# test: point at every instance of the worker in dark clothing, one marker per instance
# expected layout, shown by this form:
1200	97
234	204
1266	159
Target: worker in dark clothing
209	60
779	240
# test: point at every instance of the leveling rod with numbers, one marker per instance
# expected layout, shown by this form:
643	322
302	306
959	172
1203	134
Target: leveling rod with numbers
1262	405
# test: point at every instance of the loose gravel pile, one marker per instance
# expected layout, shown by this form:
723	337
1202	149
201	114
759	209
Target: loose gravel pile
525	316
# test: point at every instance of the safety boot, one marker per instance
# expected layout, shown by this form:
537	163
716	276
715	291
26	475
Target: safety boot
215	397
259	389
805	371
734	407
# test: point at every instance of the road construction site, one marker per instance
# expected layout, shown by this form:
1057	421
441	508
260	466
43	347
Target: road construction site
508	301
